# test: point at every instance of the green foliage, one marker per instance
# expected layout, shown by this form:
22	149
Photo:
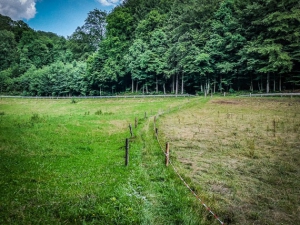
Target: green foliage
160	46
8	49
85	40
57	79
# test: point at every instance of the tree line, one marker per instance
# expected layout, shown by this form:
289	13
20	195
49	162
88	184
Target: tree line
158	46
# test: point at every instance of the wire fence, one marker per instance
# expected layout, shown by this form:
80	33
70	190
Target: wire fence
187	185
99	97
271	94
168	161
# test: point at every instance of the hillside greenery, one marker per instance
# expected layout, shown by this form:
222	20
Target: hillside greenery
158	46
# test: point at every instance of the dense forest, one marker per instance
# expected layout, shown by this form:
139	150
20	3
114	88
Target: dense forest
158	46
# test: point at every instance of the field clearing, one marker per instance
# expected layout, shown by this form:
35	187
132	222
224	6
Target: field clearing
241	155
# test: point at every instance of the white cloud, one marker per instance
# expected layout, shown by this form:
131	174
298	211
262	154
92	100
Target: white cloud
18	9
110	2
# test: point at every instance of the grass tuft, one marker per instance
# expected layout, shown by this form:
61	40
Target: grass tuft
99	112
73	101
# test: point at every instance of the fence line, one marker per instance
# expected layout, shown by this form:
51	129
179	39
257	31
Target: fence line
168	161
98	97
186	184
270	94
181	178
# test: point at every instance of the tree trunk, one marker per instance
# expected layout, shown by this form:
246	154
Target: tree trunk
137	86
132	85
173	84
176	88
274	84
215	85
280	82
144	89
221	83
164	87
207	86
182	83
268	83
147	89
156	85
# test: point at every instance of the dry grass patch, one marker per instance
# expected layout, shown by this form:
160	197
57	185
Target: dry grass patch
242	156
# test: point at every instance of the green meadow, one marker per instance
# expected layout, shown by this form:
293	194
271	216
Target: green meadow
62	161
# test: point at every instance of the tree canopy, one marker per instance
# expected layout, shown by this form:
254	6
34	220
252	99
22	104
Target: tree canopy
166	46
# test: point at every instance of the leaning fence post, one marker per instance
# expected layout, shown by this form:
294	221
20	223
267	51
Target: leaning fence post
126	152
167	153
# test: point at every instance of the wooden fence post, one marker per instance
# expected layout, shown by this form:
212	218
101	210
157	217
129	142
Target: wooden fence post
130	129
126	152
145	115
156	131
135	122
167	153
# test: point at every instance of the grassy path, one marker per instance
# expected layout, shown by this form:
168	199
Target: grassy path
167	200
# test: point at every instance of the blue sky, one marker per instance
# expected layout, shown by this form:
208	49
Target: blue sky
58	16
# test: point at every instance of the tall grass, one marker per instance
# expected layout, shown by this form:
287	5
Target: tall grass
245	166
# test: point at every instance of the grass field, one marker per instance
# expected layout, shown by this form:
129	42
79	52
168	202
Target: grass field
62	162
242	156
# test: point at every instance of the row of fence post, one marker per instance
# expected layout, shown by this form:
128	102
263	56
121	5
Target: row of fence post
167	151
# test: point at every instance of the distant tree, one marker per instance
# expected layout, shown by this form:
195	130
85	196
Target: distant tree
85	40
224	45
